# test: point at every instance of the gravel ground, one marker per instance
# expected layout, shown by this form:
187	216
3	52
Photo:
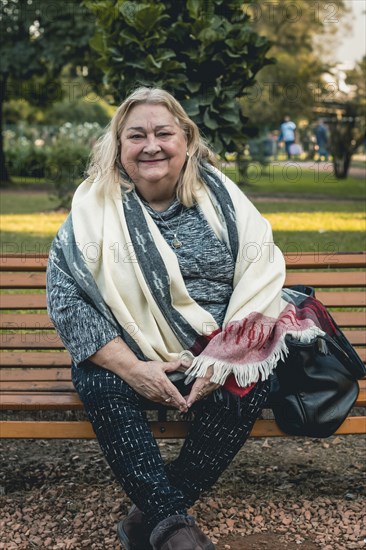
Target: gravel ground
277	494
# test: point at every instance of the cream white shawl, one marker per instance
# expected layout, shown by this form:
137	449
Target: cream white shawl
138	276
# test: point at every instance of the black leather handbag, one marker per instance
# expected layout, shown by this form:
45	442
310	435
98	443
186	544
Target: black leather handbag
315	387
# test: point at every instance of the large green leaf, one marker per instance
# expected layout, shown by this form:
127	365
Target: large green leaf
97	41
193	87
191	106
197	49
194	7
144	17
230	116
209	122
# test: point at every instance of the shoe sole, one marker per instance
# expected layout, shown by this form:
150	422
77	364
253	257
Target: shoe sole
124	540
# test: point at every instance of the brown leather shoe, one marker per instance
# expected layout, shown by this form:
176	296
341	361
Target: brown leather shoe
133	532
179	533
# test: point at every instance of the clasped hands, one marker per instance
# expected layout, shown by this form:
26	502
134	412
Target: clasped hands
150	380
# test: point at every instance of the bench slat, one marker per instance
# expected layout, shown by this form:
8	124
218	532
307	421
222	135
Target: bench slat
23	280
34	375
328	298
39	340
361	399
67	400
46	392
321	261
312	260
16	321
350	318
356	337
25	388
46	359
22	387
39	429
13	380
52	341
342	299
23	262
83	430
35	359
23	301
326	280
269	428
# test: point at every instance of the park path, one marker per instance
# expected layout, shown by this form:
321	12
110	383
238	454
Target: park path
356	170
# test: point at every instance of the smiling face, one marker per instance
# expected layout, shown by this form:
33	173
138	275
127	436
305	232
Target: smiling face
153	150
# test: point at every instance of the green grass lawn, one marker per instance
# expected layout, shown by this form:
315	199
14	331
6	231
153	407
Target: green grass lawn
291	179
29	220
326	226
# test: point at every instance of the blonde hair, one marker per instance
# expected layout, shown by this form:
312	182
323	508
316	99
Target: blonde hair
105	167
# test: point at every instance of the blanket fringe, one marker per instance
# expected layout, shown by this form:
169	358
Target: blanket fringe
247	373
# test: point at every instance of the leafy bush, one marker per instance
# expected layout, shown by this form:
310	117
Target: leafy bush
78	111
57	154
68	157
25	156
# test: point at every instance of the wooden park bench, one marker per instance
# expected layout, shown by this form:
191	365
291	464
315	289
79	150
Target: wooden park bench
35	368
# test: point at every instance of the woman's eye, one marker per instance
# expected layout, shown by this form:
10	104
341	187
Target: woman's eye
164	134
136	136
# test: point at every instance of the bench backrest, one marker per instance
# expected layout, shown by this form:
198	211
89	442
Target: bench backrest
32	351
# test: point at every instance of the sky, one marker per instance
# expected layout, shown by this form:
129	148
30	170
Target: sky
352	43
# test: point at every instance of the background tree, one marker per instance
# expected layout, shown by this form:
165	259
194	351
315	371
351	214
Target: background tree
203	51
38	39
357	79
348	125
301	33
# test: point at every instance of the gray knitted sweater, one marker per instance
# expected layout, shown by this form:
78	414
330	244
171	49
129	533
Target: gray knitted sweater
206	264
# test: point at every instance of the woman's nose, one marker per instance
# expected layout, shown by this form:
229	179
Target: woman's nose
152	146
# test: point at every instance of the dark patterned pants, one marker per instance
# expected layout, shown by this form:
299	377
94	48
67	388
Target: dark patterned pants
218	431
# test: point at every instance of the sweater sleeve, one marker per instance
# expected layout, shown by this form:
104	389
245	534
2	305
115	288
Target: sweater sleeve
82	329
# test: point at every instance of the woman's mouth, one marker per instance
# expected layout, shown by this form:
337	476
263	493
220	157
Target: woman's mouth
152	161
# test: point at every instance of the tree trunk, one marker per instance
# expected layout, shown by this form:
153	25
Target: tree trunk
4	175
341	166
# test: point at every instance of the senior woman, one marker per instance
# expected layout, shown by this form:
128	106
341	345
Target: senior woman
165	272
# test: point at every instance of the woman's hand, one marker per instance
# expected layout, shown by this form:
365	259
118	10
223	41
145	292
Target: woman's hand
202	388
149	379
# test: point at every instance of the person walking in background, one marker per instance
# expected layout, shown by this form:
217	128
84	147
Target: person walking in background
321	136
287	134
